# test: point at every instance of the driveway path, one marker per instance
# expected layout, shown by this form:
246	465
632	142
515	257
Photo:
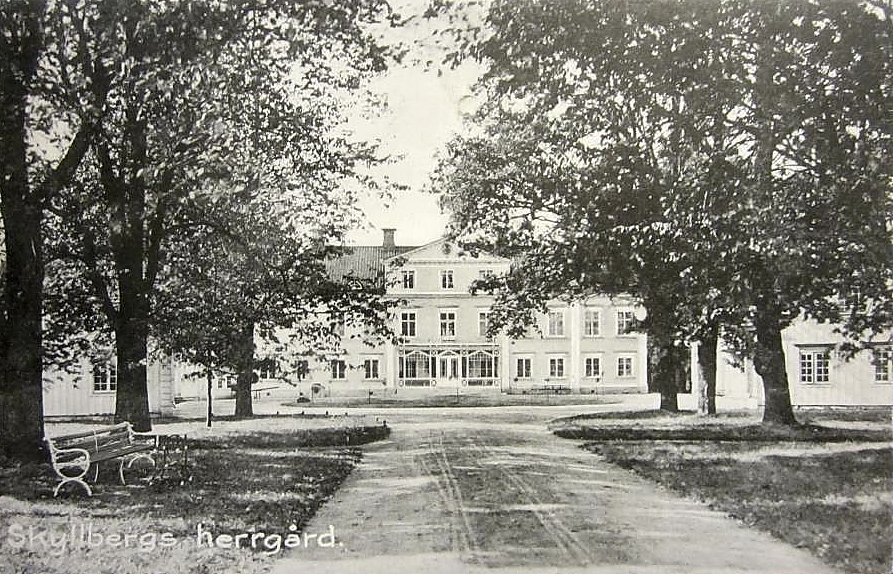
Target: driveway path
470	490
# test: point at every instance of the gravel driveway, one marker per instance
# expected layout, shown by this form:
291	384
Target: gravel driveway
469	490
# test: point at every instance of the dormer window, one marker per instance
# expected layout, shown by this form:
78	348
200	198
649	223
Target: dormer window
446	279
409	279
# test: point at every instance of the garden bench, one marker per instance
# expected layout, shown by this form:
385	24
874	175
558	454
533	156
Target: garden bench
73	454
550	389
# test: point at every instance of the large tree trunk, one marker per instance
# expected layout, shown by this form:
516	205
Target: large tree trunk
769	353
126	195
245	362
21	352
132	396
707	372
770	365
21	343
668	375
132	326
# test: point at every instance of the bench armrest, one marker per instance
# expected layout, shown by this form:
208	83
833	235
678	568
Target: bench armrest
85	463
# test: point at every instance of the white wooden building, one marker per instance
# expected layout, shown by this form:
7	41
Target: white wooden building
819	374
90	389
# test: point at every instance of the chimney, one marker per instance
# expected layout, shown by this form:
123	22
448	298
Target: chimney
387	240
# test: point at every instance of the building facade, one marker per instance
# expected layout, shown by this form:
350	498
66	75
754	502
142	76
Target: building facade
89	388
582	347
819	373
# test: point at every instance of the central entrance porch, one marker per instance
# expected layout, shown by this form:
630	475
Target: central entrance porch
448	365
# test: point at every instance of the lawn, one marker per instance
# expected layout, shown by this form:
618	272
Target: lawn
242	481
826	486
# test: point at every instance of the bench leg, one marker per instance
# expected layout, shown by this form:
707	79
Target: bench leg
130	462
158	473
75	480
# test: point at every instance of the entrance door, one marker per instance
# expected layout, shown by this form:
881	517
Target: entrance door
448	369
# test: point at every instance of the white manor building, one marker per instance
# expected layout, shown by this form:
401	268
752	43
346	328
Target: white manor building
583	347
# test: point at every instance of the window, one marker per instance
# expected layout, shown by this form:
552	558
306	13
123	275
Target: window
302	369
815	366
267	369
219	382
105	377
592	368
414	365
624	367
446	279
591	323
556	324
624	322
339	329
409	279
883	365
448	324
485	274
370	369
339	370
483	323
481	365
523	368
556	367
407	324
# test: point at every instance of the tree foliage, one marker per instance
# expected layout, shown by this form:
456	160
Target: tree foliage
729	162
256	273
205	103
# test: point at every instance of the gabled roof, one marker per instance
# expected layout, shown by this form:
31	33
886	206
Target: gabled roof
412	250
443	248
364	262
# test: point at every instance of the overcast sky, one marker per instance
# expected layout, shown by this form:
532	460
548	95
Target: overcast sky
423	111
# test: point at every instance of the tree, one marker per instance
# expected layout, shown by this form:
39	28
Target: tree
261	267
726	161
33	58
197	93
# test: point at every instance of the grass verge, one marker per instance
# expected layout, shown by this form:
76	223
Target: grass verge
246	482
461	400
825	489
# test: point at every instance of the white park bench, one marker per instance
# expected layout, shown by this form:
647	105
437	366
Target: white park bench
73	454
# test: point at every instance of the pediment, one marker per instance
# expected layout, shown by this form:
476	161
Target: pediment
442	250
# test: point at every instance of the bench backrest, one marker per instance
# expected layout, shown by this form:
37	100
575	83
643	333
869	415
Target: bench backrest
93	441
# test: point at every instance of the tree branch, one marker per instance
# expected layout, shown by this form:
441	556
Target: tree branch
66	167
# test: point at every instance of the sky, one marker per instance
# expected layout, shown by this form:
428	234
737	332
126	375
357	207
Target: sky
424	110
